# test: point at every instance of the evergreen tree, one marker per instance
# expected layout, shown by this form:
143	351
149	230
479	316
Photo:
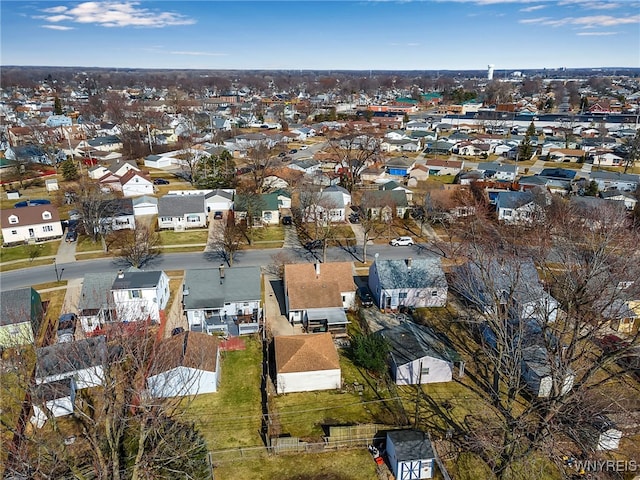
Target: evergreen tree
69	170
57	107
525	150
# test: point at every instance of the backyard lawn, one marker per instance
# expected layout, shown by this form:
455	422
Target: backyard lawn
339	465
231	417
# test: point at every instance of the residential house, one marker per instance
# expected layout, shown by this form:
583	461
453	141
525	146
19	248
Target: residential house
395	186
145	205
324	207
140	295
306	363
21	315
572	155
498	171
517	207
27	154
97	172
317	296
263	209
34	223
117	214
52	400
625	182
308	166
106	143
219	200
411	455
225	301
135	183
410	283
83	360
119	167
627	198
444	167
493	285
607	159
185	364
96	307
419	173
420	355
384	205
180	212
400	166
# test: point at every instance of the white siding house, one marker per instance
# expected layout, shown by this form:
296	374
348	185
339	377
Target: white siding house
32	223
140	295
181	212
306	363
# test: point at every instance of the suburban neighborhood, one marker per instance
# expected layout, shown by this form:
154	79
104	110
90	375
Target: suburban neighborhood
242	277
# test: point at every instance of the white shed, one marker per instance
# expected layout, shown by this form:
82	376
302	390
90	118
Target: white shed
305	363
51	184
55	399
410	454
157	161
145	205
185	364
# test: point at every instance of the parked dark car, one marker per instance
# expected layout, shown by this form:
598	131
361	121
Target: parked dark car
71	236
161	181
313	245
282	154
217	216
354	218
293	150
287	220
177	331
364	294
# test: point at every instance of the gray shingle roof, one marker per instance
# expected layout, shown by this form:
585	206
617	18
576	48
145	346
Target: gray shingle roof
61	358
410	341
96	291
15	305
205	291
411	445
513	199
138	279
180	205
423	273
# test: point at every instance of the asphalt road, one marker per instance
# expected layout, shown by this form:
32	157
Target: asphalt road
184	261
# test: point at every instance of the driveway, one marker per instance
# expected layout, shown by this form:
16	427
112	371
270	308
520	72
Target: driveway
275	310
66	252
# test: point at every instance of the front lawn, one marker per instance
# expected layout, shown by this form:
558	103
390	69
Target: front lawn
29	252
188	237
231	417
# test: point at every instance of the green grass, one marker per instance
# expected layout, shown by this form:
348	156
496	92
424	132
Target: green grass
338	465
303	414
86	244
231	417
273	233
188	237
23	252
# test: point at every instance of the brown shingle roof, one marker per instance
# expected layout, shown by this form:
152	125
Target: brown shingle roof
31	215
188	349
306	289
305	353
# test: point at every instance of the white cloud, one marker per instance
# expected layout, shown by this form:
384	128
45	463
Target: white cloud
57	27
591	4
115	14
533	8
199	54
591	21
596	34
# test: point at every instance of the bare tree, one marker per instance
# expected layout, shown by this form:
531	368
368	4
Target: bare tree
633	151
260	161
137	247
228	239
95	206
355	152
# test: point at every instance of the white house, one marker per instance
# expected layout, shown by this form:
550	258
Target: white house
83	360
181	212
517	207
220	300
305	363
411	455
34	223
140	295
498	171
324	207
419	355
220	200
185	364
145	205
134	184
411	282
55	399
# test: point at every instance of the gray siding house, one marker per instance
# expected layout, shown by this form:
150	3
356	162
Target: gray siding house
411	283
226	301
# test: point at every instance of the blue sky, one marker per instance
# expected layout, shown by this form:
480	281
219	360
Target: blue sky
325	35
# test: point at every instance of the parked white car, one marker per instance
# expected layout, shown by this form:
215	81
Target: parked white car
401	242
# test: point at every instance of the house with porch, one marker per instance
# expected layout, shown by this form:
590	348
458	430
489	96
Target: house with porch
96	307
317	296
139	295
223	300
409	283
181	212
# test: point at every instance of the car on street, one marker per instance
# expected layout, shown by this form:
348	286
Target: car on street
293	150
160	181
304	147
313	245
401	242
364	294
282	154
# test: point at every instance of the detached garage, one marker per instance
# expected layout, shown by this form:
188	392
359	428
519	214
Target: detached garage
157	161
145	205
185	364
306	363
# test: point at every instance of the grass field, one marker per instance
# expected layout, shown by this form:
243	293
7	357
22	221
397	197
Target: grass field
188	237
231	417
339	465
25	252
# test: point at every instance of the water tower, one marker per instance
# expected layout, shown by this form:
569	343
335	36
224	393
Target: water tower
490	72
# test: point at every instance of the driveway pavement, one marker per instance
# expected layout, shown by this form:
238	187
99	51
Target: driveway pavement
66	252
537	167
274	309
